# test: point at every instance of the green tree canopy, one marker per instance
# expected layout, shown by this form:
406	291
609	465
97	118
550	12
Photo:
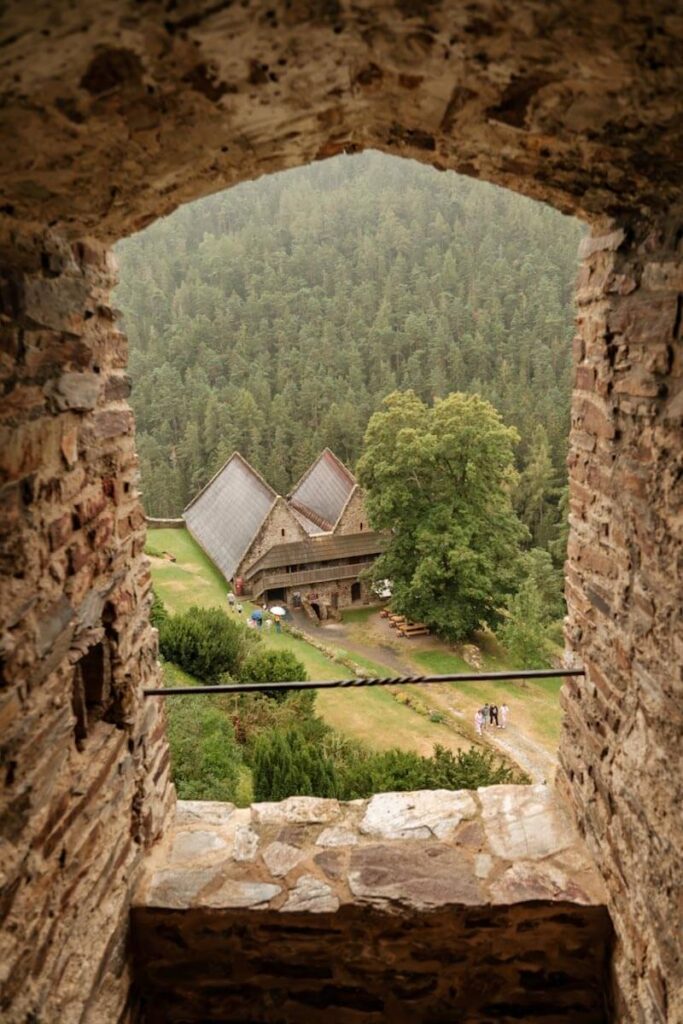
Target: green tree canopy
440	479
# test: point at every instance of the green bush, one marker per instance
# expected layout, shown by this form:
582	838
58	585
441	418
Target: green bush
287	764
272	666
206	760
158	613
205	642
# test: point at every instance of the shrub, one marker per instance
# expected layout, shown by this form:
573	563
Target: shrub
158	613
287	764
206	760
268	666
205	642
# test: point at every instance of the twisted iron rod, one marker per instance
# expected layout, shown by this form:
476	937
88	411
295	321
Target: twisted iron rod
326	684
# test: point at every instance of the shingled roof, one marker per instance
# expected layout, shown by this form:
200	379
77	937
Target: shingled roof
323	490
323	548
228	512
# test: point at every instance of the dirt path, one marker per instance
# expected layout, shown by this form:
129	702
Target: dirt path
336	633
532	757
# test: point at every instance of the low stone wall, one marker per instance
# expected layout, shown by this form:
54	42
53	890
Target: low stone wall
164	524
440	906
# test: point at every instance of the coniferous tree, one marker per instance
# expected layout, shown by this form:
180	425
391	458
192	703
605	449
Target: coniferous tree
275	318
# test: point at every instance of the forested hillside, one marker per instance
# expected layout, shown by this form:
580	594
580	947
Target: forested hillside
274	318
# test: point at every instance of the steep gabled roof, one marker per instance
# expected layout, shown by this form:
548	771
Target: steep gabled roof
323	490
228	512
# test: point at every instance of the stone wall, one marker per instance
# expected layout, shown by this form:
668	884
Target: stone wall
354	517
85	786
279	519
621	743
323	594
428	906
115	114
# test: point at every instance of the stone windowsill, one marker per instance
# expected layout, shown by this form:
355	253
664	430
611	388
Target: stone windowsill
496	846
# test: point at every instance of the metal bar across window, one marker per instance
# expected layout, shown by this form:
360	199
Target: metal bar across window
326	684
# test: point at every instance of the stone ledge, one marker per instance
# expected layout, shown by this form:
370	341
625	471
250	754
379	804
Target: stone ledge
433	905
500	845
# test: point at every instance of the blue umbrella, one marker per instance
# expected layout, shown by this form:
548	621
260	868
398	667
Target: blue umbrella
256	615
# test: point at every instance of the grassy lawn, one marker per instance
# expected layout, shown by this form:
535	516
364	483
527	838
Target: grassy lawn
371	715
361	615
191	579
374	716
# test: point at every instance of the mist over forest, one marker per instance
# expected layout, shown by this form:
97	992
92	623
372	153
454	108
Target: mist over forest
274	318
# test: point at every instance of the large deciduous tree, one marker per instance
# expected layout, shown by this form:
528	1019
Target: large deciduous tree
440	479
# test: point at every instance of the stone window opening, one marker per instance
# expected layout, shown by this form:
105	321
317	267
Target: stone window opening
92	690
557	137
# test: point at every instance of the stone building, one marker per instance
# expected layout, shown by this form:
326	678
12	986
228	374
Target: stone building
307	550
113	114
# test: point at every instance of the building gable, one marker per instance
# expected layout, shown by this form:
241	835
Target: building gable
279	527
353	518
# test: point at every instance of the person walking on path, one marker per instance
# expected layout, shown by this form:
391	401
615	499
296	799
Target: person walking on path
494	715
503	715
478	721
485	712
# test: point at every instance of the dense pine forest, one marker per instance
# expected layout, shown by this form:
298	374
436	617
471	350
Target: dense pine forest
275	317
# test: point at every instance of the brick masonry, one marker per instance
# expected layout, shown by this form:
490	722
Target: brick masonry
428	906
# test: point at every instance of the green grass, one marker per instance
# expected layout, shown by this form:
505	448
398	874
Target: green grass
191	579
371	715
440	663
350	615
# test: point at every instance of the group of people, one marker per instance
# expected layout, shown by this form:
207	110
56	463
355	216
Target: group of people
257	619
491	715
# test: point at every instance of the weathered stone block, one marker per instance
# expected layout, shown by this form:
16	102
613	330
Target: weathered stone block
77	391
417	815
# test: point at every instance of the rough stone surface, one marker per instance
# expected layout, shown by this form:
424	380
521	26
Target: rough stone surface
114	114
436	812
392	928
139	109
621	744
85	784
